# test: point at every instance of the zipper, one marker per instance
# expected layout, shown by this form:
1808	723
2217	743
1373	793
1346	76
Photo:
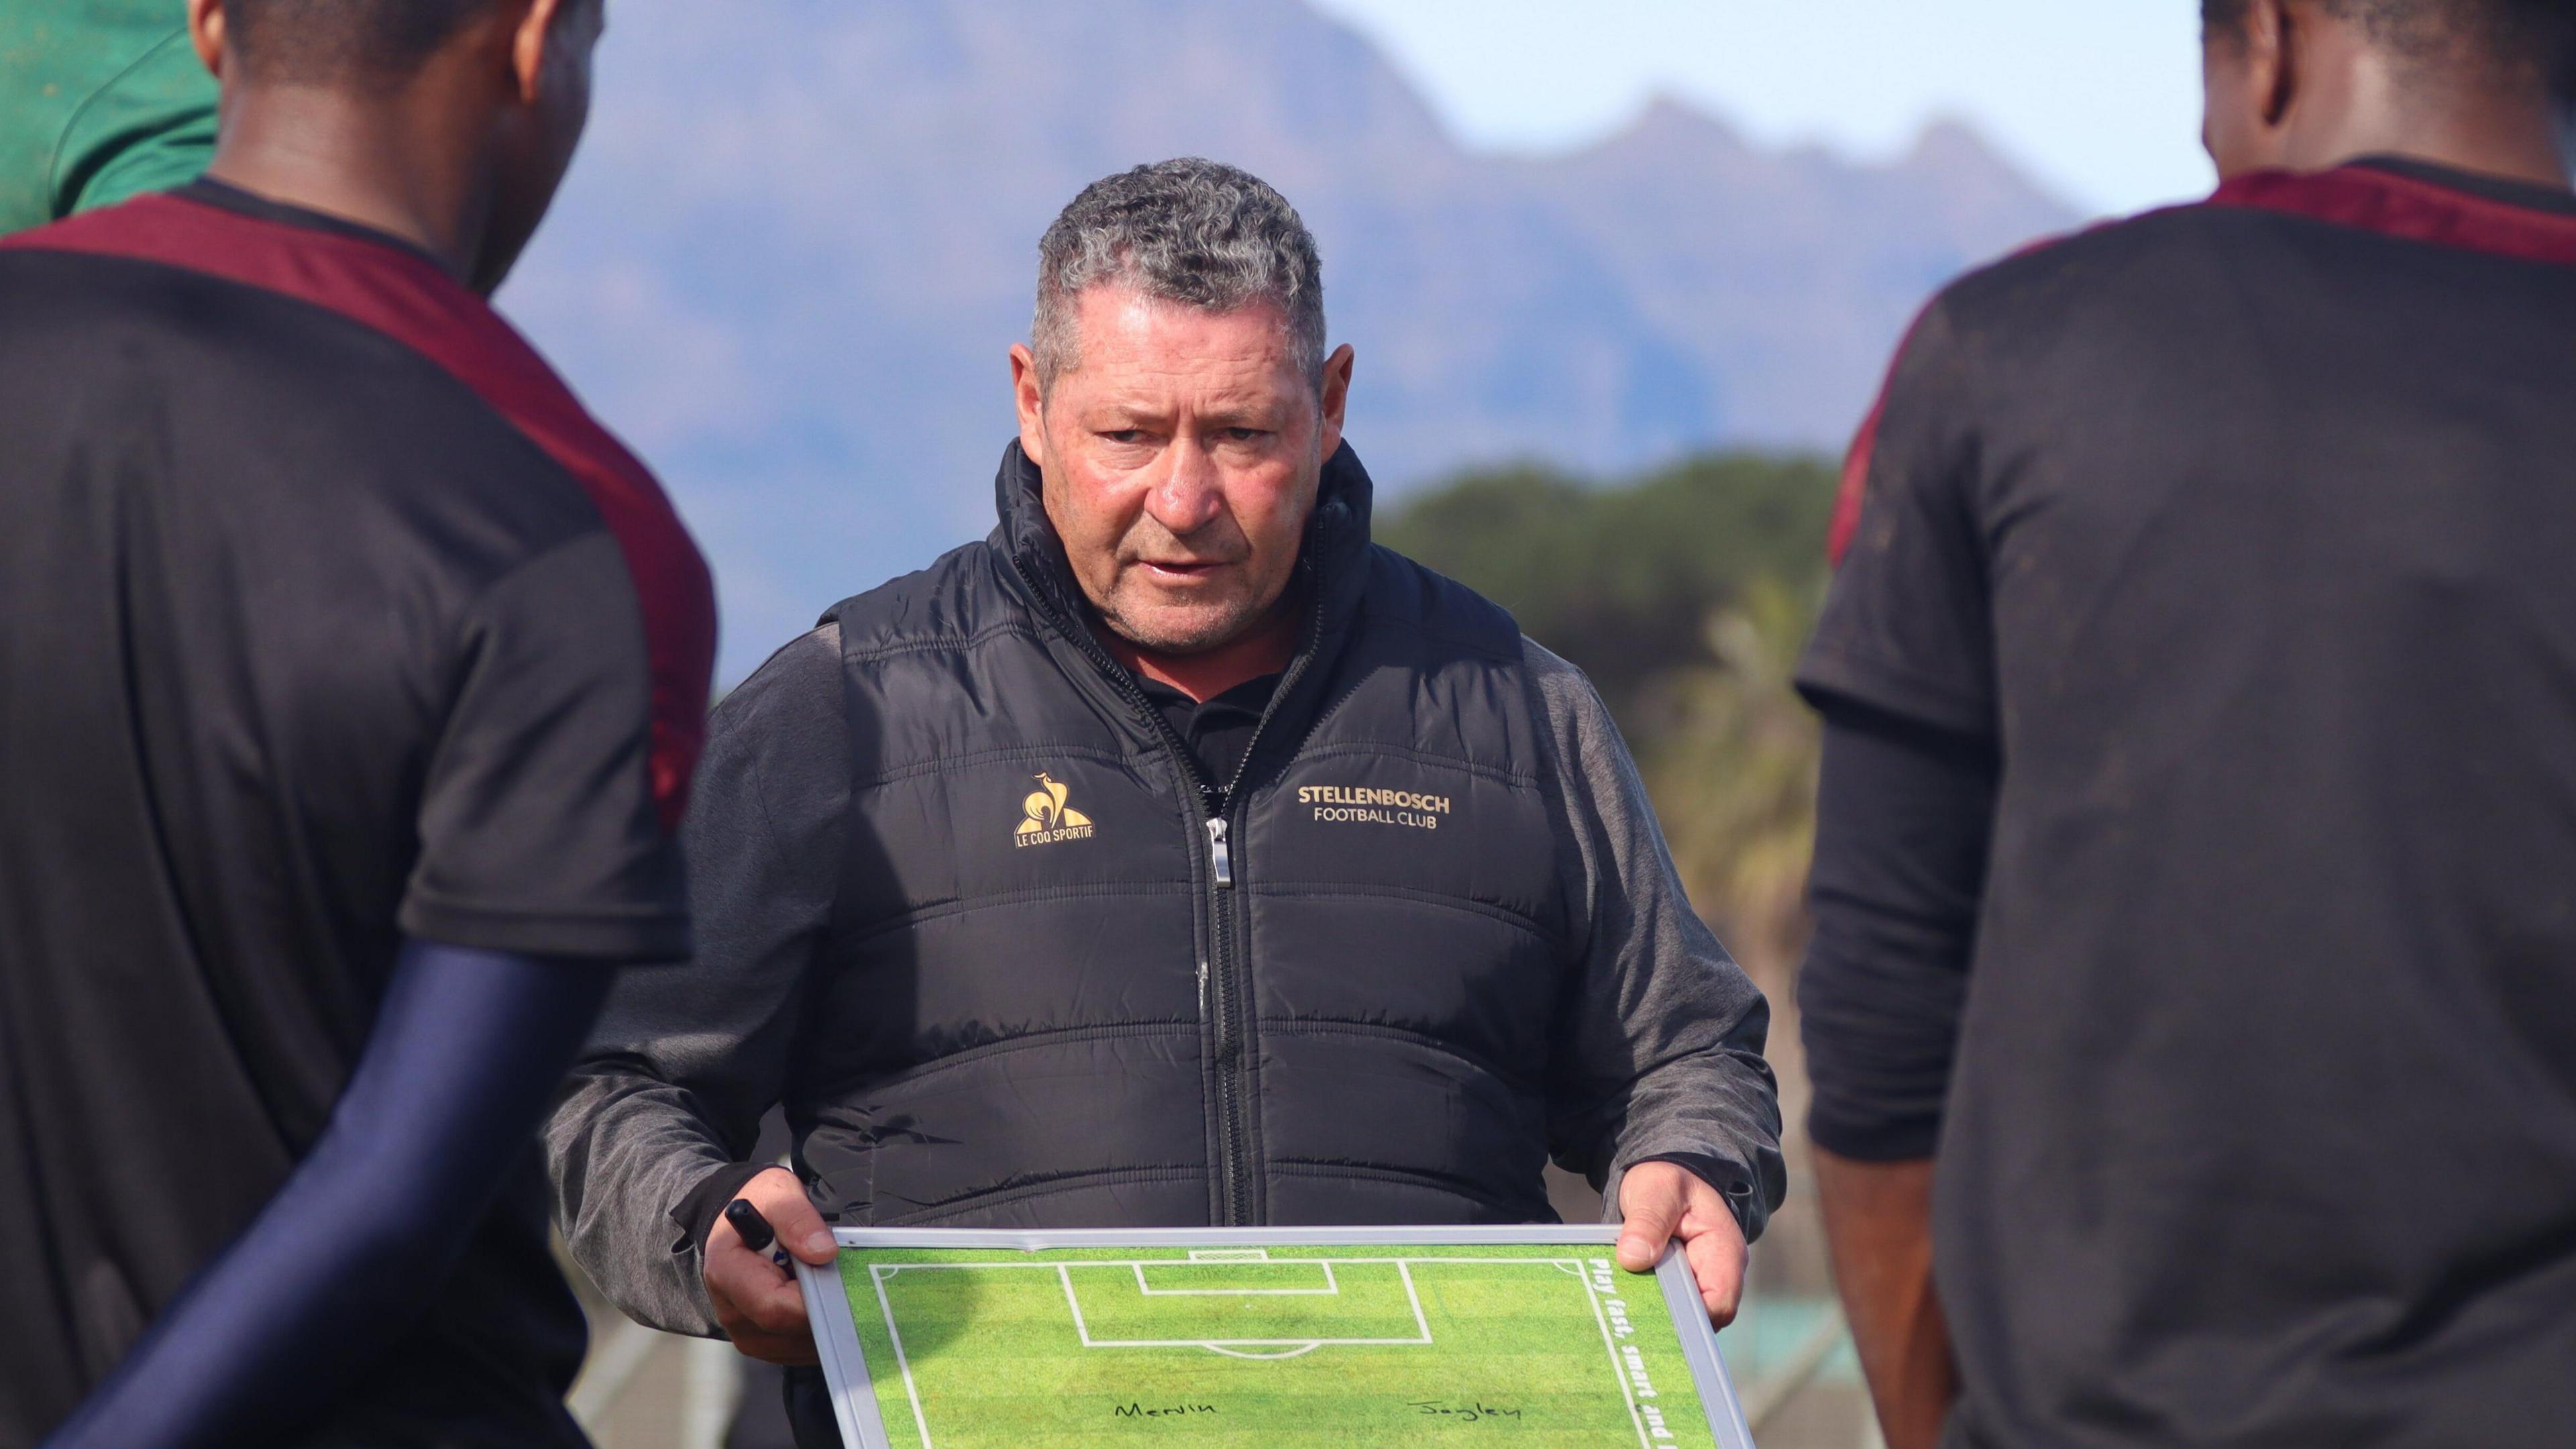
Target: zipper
1235	1083
1222	997
1220	860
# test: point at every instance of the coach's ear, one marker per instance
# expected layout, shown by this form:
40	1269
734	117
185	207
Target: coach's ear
206	34
1029	398
1336	397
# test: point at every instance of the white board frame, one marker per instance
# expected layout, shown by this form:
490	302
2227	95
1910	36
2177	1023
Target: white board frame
854	1400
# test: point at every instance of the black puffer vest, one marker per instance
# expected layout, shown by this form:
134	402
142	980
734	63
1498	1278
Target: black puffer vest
1072	984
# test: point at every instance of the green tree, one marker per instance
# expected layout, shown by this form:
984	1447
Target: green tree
1623	579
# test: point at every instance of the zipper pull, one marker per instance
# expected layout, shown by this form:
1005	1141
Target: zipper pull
1218	858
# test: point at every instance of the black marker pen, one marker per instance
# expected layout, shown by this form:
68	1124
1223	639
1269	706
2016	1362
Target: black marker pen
756	1231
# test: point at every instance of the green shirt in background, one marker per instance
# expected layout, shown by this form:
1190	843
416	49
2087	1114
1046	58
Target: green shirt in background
100	100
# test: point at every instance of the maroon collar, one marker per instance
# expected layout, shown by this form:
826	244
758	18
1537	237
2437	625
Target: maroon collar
2416	204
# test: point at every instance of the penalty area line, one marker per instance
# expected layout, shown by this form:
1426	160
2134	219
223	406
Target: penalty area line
1618	1370
1073	1302
879	1275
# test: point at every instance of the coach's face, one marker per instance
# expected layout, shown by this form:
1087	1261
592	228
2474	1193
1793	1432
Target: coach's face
1181	451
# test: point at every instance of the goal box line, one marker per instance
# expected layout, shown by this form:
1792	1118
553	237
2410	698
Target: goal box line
1145	1287
1073	1302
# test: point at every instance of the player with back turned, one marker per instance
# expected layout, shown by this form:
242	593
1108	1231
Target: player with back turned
351	682
2192	1010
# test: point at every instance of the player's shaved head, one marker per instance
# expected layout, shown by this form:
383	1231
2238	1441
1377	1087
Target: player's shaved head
2512	35
447	123
2474	85
320	40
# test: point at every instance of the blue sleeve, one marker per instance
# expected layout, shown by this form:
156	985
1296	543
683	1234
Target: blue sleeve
467	1052
1904	813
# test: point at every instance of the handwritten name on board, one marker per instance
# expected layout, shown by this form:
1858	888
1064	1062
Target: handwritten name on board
1463	1413
1167	1411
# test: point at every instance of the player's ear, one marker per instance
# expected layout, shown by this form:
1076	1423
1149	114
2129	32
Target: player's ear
549	39
2281	31
529	42
206	34
2247	90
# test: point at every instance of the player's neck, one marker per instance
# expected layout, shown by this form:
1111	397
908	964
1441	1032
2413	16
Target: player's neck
395	167
2532	158
2467	125
1265	649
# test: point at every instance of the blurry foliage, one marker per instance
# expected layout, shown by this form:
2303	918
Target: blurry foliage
1624	579
1729	754
1686	595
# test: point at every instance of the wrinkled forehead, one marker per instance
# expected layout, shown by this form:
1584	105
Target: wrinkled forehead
1124	332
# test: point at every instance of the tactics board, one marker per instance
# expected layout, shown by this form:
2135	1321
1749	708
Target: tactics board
1260	1337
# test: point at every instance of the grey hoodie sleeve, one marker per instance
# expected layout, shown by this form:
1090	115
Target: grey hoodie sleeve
1659	1037
685	1060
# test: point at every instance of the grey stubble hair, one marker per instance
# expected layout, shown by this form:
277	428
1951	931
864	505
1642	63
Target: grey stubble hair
1189	231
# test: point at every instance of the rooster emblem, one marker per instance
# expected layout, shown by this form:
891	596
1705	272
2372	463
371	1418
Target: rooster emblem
1046	809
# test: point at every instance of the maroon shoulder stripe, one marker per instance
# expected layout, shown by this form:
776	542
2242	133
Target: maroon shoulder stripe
1855	480
412	301
1854	489
2370	199
2362	197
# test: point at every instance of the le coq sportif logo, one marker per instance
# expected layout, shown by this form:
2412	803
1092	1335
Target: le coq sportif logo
1050	820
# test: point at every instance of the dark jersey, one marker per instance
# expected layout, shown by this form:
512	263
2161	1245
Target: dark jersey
2243	533
327	616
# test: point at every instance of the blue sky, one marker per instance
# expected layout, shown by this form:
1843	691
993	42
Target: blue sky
2099	99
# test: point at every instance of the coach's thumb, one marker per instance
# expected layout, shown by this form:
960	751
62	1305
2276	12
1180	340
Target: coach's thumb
800	1229
1651	1208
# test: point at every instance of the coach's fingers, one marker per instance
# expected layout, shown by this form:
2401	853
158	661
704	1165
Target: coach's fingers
764	1319
782	1200
1651	1204
757	1301
748	1289
785	1350
1716	1254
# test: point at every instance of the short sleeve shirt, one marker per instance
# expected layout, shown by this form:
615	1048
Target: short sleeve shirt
100	101
2243	532
327	617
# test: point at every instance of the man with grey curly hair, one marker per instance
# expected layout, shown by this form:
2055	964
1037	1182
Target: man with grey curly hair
1192	232
1175	856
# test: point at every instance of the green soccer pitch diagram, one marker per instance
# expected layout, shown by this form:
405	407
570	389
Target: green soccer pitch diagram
1249	1339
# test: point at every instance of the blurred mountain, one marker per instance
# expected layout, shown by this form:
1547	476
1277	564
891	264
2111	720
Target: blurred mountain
803	233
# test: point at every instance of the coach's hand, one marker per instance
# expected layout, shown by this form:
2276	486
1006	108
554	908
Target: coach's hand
1661	1201
756	1301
